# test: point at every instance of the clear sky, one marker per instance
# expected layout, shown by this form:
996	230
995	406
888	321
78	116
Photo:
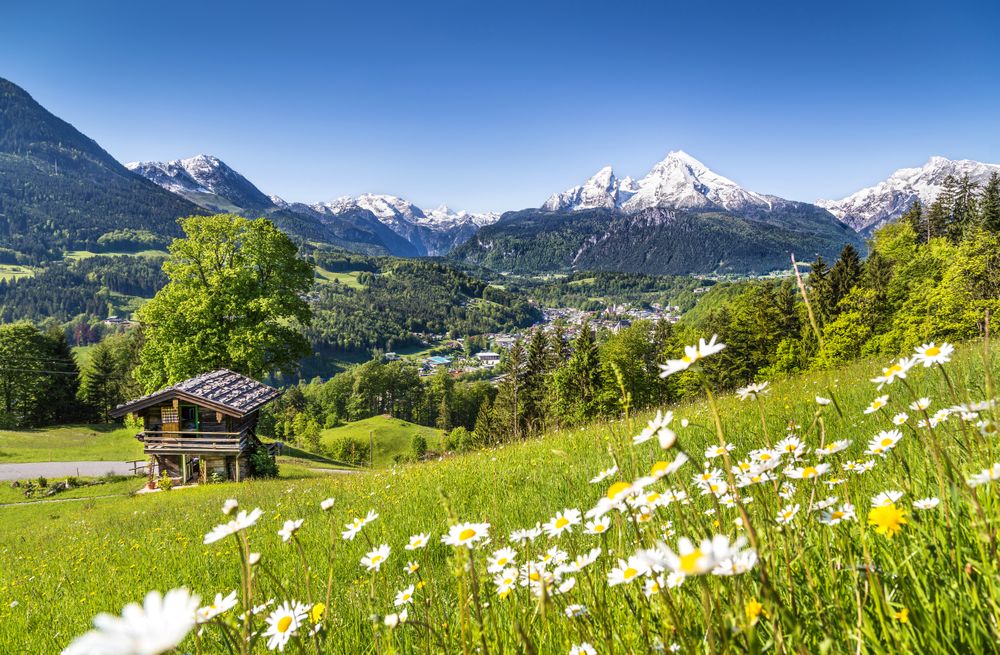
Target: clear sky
495	104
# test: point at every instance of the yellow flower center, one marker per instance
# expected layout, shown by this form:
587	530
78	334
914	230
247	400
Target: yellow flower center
376	559
837	515
629	573
886	442
466	534
562	522
686	359
501	561
809	472
658	468
933	351
689	562
599	528
765	457
617	488
284	623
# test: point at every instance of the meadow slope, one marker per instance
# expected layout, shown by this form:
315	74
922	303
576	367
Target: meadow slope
931	587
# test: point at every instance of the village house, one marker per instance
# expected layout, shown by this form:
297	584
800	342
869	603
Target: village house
488	359
201	428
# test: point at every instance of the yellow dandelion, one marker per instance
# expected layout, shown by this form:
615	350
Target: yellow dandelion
903	615
753	611
887	519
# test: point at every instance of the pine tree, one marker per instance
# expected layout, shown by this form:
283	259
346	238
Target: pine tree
819	284
578	384
536	380
484	424
936	219
989	206
507	408
846	273
877	273
963	207
559	350
915	217
101	387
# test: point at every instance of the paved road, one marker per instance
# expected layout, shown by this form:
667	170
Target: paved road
32	470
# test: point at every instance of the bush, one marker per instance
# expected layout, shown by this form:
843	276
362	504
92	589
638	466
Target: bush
461	440
350	451
42	482
419	446
165	483
262	465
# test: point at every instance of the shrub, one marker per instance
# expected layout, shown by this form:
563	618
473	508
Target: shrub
461	440
419	446
165	483
42	482
350	451
262	465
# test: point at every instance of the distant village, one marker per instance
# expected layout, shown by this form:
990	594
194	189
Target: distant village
452	354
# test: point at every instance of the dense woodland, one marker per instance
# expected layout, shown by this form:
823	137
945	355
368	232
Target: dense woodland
593	290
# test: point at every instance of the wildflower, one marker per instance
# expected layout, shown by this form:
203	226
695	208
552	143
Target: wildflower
883	442
901	418
254	559
597	526
752	390
691	355
605	474
791	445
404	597
921	404
616	495
393	620
417	541
526	535
807	472
822	402
411	567
903	615
985	476
505	581
786	514
583	560
926	503
157	626
753	610
887	519
553	554
238	524
582	649
736	565
695	560
316	613
289	529
830	501
894	372
833	447
283	623
575	611
718	451
787	490
987	428
886	498
326	505
374	559
931	353
659	428
562	522
835	516
229	506
466	534
628	570
354	527
652	585
661	469
501	559
877	404
218	606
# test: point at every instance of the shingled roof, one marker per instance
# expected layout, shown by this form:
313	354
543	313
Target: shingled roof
222	390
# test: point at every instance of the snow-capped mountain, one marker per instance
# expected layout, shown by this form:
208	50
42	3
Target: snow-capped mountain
870	208
201	177
678	182
444	217
602	191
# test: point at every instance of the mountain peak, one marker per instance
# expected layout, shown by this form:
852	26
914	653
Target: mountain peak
205	180
870	208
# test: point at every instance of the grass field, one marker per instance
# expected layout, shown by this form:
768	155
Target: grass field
70	443
391	436
84	254
12	272
347	279
914	581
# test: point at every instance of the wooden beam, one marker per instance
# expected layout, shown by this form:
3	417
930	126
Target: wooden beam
218	417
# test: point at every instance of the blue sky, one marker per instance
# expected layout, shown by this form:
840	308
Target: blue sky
495	105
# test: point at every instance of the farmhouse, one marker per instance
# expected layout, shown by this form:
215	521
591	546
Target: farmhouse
201	428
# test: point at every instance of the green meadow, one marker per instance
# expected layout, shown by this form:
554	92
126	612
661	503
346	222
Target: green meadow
927	584
390	437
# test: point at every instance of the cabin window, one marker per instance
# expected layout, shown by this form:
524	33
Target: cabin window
168	414
190	419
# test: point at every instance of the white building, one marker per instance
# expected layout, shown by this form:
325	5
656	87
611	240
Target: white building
488	359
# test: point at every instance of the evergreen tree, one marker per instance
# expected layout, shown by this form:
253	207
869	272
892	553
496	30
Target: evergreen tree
819	284
507	408
536	380
877	273
484	424
989	206
559	350
846	273
915	217
101	386
936	219
577	385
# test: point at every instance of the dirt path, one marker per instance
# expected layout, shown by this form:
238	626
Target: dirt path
32	470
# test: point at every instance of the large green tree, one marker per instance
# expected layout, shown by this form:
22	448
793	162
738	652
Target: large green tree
235	299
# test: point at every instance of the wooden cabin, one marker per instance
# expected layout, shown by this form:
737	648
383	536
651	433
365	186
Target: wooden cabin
201	428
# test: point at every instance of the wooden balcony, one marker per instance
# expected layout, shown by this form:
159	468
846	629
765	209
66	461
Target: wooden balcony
164	442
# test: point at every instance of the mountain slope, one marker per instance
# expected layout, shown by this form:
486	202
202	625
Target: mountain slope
60	190
204	180
870	208
656	240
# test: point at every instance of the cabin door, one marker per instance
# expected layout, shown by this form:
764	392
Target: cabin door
170	420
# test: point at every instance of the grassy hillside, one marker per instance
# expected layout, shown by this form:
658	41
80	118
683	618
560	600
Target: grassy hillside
391	436
70	443
933	587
